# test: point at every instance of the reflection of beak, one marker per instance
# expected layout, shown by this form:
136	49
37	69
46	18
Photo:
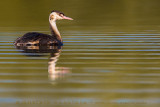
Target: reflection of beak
68	18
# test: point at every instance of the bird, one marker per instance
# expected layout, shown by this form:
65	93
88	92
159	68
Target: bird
40	39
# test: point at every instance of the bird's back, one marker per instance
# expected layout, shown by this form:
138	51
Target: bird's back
34	38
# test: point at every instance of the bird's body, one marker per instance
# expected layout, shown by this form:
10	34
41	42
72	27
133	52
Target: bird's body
37	39
40	39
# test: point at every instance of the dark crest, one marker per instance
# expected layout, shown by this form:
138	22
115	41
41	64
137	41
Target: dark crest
57	12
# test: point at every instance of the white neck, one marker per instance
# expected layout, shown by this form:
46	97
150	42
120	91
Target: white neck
54	30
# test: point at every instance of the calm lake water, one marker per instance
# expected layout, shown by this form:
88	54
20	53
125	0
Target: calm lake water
110	57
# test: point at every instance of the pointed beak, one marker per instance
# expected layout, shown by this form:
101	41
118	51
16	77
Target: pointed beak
68	18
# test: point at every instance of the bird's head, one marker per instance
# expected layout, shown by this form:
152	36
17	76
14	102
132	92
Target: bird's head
56	15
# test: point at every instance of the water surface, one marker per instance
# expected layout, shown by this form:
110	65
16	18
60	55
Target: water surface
110	57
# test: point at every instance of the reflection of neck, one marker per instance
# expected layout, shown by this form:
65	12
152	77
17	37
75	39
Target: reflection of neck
54	30
52	64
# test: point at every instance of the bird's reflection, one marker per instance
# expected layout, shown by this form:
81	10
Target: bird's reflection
55	73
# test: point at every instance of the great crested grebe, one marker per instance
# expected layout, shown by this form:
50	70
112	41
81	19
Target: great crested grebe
40	39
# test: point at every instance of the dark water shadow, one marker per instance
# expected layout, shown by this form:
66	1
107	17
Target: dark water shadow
54	73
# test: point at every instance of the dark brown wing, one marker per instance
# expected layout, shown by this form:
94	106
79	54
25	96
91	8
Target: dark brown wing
37	38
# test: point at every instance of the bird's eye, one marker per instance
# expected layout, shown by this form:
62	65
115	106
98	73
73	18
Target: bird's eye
61	14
